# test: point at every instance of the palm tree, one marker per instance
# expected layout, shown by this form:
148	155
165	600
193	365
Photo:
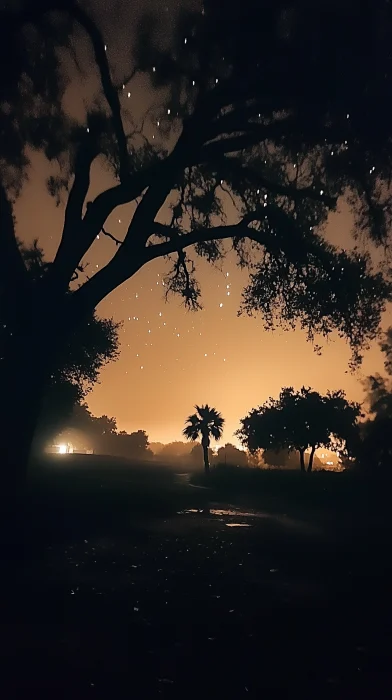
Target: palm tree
208	423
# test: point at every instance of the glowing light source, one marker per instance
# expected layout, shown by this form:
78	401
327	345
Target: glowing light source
62	449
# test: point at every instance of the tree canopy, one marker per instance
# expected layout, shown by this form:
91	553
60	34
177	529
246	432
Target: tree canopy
207	422
299	420
272	113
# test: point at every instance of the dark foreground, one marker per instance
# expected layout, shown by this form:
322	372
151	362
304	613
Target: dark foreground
122	593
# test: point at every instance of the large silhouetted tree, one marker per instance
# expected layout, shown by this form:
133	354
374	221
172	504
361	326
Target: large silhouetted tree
258	120
88	349
301	420
206	423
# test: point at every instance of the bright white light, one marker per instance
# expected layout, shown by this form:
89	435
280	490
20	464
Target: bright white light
62	449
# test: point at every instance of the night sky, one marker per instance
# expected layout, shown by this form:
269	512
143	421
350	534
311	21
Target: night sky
172	358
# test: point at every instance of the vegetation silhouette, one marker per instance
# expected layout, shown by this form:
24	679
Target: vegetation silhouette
257	106
230	454
374	449
285	459
299	420
206	423
101	435
197	455
173	451
93	345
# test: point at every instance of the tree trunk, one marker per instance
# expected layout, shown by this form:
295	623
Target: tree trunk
24	371
302	460
310	463
19	416
206	462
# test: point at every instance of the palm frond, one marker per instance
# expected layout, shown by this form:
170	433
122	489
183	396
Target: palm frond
206	421
192	430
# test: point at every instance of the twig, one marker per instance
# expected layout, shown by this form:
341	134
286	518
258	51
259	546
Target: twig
109	235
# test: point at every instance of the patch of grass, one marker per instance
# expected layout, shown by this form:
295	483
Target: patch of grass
344	492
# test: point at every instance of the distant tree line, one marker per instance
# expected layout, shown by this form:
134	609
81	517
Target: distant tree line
303	421
101	435
191	454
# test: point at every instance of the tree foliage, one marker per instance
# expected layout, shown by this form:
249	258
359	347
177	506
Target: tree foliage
374	451
90	346
230	454
206	423
100	433
299	420
265	107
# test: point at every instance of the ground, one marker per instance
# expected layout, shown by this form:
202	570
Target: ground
137	584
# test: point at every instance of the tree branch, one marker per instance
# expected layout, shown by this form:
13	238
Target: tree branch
117	271
109	88
183	153
72	250
123	266
77	196
178	243
113	238
126	80
291	191
236	121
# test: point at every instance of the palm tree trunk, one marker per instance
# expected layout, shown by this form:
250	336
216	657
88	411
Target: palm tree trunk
302	460
310	463
206	462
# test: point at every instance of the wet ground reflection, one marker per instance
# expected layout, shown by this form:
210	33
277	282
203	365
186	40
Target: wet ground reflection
281	520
